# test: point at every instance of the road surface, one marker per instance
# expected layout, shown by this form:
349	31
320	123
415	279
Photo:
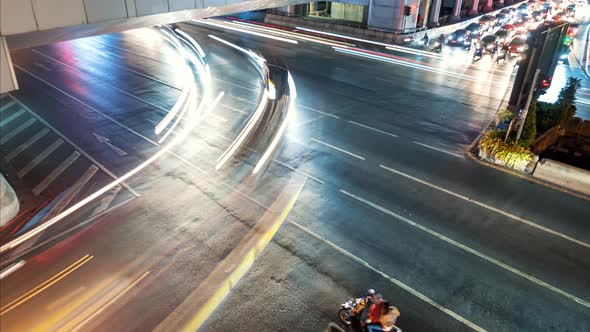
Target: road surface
390	200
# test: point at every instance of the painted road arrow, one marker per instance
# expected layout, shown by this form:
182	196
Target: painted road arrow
106	141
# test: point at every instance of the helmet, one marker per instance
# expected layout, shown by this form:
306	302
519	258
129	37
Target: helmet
371	291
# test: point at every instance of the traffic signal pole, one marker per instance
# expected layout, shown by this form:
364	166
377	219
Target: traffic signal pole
525	110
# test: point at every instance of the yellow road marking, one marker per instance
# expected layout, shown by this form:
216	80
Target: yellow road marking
230	282
48	283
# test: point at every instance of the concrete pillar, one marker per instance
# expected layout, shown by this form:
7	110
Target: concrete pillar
474	5
424	11
457	11
500	3
435	13
386	15
489	4
7	78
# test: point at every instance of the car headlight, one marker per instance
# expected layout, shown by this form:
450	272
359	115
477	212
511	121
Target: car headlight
521	48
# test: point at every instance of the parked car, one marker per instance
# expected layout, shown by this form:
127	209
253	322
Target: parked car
459	37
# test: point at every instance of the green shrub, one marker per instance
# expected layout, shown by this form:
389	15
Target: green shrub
551	115
492	144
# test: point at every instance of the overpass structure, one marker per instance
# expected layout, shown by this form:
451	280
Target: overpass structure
28	23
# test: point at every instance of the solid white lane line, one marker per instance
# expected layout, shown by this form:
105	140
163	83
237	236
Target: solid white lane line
55	173
7	106
84	153
440	150
469	250
374	129
317	111
396	282
131	131
338	149
106	200
233	109
9	270
165	111
16	131
300	172
72	192
134	71
11	117
491	208
40	157
26	144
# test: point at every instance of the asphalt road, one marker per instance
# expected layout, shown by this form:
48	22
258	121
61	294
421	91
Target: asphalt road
390	202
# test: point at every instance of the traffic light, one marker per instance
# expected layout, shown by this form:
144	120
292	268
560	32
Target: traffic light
407	10
567	40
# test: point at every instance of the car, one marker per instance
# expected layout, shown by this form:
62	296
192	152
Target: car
459	37
506	12
519	27
558	18
500	19
489	43
502	36
475	28
517	45
523	8
508	27
488	21
538	15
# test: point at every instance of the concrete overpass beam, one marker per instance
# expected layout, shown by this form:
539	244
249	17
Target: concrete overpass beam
7	78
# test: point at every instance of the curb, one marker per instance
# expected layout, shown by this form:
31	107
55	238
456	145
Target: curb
469	153
200	304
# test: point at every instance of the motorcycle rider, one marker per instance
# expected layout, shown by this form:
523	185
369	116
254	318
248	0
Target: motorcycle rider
362	303
441	41
503	54
424	40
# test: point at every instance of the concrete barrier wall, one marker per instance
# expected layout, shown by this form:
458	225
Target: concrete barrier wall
564	175
9	205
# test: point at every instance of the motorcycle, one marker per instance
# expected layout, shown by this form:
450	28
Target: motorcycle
348	310
437	47
478	54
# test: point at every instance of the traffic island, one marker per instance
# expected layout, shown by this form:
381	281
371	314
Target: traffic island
551	147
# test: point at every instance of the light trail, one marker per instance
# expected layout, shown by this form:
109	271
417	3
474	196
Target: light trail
208	22
285	33
390	59
391	46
